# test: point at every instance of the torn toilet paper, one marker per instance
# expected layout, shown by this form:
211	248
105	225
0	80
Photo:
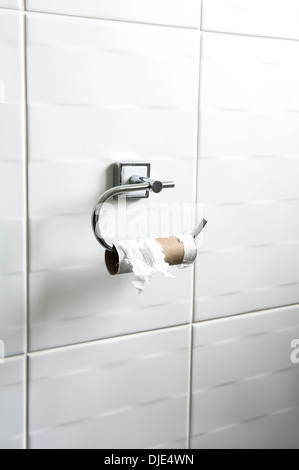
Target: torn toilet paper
190	249
146	257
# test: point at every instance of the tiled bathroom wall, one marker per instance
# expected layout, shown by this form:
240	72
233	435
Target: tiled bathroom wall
208	94
135	92
247	177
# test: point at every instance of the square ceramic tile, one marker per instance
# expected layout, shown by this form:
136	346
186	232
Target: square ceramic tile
244	392
12	403
166	12
247	178
278	18
128	392
81	120
12	184
11	4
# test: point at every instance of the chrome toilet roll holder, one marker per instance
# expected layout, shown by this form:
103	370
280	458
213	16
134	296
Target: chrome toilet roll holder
139	185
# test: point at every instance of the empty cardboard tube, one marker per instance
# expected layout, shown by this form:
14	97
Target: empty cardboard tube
112	261
172	248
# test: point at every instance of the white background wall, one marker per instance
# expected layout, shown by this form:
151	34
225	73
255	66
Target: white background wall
208	93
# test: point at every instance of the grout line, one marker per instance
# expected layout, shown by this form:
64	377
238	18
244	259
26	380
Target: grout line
26	227
153	331
142	23
260	36
197	159
246	314
194	267
190	382
27	402
15	356
108	338
190	28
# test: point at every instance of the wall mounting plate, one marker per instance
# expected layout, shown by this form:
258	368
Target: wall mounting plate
123	172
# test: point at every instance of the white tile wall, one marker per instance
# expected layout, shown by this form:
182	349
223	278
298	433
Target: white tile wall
12	181
245	387
273	18
65	309
168	12
127	77
11	4
119	80
130	392
12	404
247	180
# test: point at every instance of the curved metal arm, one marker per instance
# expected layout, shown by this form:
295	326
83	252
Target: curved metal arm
117	190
